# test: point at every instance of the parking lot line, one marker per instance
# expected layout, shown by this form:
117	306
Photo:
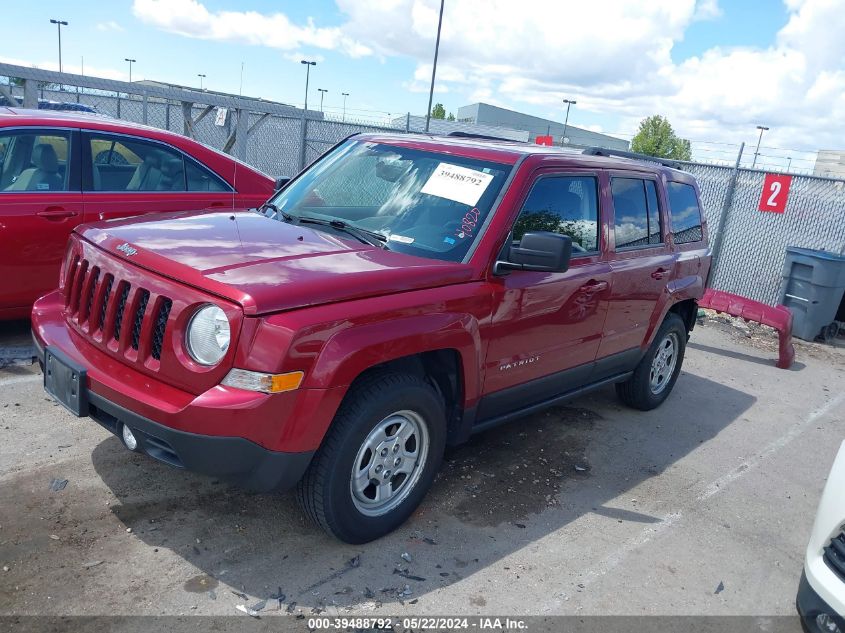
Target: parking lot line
646	535
783	440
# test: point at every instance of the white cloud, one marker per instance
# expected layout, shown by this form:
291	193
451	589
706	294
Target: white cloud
111	25
613	56
192	19
298	56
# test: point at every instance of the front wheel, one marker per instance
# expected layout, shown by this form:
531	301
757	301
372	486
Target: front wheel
658	369
378	459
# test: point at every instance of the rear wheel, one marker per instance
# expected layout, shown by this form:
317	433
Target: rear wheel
657	371
378	459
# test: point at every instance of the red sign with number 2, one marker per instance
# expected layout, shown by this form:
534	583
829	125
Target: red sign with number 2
775	193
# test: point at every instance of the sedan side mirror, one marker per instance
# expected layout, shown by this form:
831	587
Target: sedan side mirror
539	251
280	182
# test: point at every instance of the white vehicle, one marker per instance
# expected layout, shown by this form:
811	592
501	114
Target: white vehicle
821	594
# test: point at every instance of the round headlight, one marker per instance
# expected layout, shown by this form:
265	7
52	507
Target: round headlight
208	335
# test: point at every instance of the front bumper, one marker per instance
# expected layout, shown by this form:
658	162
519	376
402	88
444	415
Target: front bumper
235	459
810	605
261	441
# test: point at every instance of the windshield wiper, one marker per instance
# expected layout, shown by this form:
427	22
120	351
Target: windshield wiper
287	217
373	238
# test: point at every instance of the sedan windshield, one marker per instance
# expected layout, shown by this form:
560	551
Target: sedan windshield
416	202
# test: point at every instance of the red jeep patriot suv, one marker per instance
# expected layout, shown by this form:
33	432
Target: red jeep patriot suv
397	296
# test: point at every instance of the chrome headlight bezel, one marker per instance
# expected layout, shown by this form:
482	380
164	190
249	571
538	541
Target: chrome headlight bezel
208	346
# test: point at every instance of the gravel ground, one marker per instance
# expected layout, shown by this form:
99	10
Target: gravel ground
703	506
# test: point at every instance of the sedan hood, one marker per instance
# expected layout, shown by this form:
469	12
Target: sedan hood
263	264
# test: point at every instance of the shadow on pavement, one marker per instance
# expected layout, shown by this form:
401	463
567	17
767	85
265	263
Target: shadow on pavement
505	489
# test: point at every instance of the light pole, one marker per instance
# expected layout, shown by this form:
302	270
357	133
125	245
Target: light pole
345	94
307	77
568	102
201	76
241	88
322	92
762	129
789	164
131	61
434	67
59	24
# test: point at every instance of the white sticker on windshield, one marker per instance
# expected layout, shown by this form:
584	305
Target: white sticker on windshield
402	239
457	183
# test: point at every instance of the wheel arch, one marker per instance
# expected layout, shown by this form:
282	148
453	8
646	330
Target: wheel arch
444	348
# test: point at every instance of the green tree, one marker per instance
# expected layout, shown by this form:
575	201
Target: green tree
438	111
657	138
451	117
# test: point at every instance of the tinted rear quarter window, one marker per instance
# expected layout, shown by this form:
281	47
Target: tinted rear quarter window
684	212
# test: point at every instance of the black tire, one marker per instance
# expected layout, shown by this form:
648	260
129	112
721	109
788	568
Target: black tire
637	391
325	492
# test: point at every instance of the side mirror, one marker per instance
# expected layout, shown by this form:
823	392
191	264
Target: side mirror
280	182
540	251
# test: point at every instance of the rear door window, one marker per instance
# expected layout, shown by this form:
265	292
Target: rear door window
34	161
684	212
123	164
201	179
637	213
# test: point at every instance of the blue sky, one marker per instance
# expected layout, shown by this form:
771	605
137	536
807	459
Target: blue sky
716	68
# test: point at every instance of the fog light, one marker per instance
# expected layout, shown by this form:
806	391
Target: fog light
129	438
826	623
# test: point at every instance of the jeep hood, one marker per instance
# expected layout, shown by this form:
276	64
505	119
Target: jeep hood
263	264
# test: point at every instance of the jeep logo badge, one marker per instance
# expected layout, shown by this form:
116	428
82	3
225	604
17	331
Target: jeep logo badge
127	250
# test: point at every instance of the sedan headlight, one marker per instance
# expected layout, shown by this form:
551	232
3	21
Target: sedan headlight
208	335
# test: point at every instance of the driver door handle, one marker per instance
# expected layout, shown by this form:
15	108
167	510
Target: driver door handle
660	273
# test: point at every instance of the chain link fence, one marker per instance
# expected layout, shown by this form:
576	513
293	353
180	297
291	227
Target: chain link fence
276	138
751	255
280	140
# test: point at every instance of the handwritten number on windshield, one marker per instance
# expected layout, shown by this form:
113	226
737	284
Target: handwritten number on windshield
468	224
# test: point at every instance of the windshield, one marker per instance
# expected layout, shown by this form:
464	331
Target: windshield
421	203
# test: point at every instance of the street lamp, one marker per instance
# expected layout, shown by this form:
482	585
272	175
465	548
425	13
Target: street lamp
345	94
59	24
131	61
434	68
201	76
789	164
322	92
568	102
307	76
762	129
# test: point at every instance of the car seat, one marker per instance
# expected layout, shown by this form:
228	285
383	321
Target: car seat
147	175
44	176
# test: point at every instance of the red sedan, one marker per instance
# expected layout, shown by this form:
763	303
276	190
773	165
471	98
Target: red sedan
58	170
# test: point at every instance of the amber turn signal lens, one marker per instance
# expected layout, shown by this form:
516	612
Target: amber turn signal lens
267	383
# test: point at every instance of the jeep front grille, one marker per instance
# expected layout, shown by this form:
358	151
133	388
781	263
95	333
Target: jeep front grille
139	318
113	312
121	308
160	326
834	555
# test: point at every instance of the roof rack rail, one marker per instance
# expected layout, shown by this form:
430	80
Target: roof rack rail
603	151
459	134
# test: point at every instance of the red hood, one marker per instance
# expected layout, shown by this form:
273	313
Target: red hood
263	264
